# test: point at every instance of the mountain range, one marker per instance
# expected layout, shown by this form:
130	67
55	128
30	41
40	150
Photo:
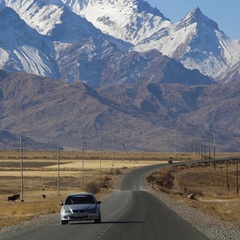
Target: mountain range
130	25
73	69
133	116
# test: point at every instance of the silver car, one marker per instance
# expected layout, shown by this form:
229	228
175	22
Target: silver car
80	207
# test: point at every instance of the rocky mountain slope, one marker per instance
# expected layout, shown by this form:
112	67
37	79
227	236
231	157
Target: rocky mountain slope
139	116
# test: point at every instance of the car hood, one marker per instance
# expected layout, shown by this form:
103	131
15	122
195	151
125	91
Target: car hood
79	206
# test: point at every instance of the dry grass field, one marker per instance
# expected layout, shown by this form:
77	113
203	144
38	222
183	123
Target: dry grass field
55	175
215	189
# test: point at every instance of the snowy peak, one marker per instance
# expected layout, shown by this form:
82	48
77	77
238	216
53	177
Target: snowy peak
54	19
23	48
144	6
128	20
196	16
197	43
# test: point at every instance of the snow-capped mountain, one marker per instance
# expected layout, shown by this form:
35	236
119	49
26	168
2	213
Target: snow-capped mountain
23	48
56	21
39	52
197	42
129	20
79	51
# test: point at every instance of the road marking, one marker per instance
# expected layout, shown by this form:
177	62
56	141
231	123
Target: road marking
104	231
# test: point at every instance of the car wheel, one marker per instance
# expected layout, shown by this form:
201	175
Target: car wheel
63	222
99	220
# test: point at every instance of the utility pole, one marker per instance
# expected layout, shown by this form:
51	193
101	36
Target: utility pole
21	166
83	161
209	151
237	176
175	143
227	177
58	181
214	152
112	152
205	149
222	177
122	142
100	150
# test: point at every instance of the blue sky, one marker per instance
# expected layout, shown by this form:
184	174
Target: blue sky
225	12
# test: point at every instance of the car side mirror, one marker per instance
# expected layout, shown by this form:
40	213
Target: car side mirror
61	203
99	202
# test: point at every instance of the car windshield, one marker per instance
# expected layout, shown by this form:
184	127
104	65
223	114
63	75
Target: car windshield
81	199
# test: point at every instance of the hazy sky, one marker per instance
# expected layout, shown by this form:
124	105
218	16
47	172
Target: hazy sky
225	12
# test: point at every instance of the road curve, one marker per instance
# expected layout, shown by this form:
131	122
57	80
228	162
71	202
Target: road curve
128	213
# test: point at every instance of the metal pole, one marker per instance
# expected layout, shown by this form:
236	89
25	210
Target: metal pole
175	143
222	177
209	150
83	161
237	177
205	150
21	165
58	182
112	152
100	156
227	177
214	152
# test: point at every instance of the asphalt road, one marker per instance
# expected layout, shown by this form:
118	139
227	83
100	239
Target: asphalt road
129	213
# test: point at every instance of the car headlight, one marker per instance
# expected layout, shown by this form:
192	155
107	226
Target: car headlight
66	211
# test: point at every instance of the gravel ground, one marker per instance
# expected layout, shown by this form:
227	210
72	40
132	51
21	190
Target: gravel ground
6	232
213	228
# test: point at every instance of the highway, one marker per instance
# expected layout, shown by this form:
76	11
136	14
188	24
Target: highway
128	213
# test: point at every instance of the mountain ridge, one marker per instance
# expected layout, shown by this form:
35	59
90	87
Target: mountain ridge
146	116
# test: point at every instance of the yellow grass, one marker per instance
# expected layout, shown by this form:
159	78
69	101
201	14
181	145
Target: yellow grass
40	176
40	172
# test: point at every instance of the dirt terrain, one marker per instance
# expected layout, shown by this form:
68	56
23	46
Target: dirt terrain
211	187
48	177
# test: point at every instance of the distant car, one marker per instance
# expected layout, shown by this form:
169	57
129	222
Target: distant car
80	207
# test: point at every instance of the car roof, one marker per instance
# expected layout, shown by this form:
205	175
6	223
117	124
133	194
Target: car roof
79	194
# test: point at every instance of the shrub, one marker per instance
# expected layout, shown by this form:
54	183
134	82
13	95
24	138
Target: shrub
115	171
166	180
104	182
150	179
92	187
